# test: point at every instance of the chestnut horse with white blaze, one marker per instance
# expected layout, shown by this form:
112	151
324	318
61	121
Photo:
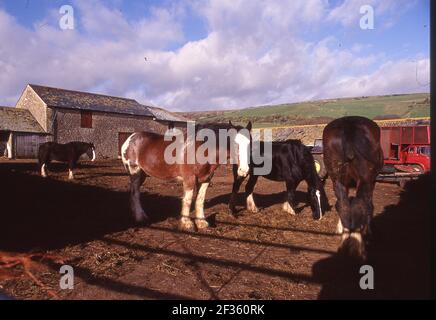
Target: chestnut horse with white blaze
353	158
144	154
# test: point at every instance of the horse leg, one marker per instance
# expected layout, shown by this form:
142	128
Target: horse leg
342	206
237	181
200	220
351	241
188	191
251	206
290	197
43	168
339	227
71	166
43	160
363	208
136	180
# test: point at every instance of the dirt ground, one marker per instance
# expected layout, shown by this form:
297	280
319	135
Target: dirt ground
267	255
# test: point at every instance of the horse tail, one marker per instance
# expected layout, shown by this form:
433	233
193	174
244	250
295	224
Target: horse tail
356	144
348	142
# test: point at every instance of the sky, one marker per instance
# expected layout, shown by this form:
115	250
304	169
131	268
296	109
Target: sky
191	55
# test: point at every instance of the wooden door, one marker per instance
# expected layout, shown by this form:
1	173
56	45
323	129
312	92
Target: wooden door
27	145
122	137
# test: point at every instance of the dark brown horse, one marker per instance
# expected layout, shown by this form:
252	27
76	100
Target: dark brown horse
69	152
147	154
353	158
291	162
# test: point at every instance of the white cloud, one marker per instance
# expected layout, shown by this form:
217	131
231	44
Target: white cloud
404	76
253	54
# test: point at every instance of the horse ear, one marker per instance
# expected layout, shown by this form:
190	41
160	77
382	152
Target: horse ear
249	126
230	123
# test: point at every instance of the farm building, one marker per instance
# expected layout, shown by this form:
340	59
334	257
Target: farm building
19	131
63	115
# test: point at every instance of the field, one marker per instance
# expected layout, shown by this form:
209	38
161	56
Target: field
314	112
267	255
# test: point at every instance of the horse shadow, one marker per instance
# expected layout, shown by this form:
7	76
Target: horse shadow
399	253
263	201
54	166
38	213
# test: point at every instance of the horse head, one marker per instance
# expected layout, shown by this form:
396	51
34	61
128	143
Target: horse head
243	143
319	202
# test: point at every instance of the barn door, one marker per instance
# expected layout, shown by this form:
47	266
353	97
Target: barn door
122	137
26	145
4	137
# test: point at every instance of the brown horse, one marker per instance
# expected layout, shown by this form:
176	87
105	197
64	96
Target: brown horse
147	154
353	158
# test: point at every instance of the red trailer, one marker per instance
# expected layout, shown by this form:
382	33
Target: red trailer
406	152
407	149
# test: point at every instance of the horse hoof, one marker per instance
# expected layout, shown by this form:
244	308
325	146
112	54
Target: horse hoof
339	228
186	224
287	208
142	219
233	210
253	210
201	224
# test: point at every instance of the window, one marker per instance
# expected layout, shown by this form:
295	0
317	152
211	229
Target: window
86	119
424	150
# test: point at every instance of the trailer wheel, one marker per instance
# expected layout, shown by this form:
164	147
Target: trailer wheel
319	166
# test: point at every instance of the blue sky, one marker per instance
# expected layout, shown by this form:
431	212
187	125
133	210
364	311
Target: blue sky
214	54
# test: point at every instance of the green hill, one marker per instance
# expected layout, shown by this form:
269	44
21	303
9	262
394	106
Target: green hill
322	111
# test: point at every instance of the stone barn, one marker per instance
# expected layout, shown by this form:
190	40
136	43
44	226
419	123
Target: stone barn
20	133
66	115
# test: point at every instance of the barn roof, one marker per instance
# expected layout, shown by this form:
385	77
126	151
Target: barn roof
163	115
18	120
69	99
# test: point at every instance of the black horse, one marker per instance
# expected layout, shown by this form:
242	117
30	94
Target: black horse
292	163
69	152
353	158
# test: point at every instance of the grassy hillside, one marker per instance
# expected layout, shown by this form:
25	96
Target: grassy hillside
377	107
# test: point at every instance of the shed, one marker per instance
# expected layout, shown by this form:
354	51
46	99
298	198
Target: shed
20	133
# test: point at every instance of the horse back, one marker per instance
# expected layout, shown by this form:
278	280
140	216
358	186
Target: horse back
290	160
146	151
53	151
352	148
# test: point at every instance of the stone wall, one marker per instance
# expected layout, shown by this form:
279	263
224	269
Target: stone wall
308	133
29	100
104	131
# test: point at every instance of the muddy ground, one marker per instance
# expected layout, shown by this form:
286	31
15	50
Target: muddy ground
267	255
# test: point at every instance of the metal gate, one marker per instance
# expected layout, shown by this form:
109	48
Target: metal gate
26	145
